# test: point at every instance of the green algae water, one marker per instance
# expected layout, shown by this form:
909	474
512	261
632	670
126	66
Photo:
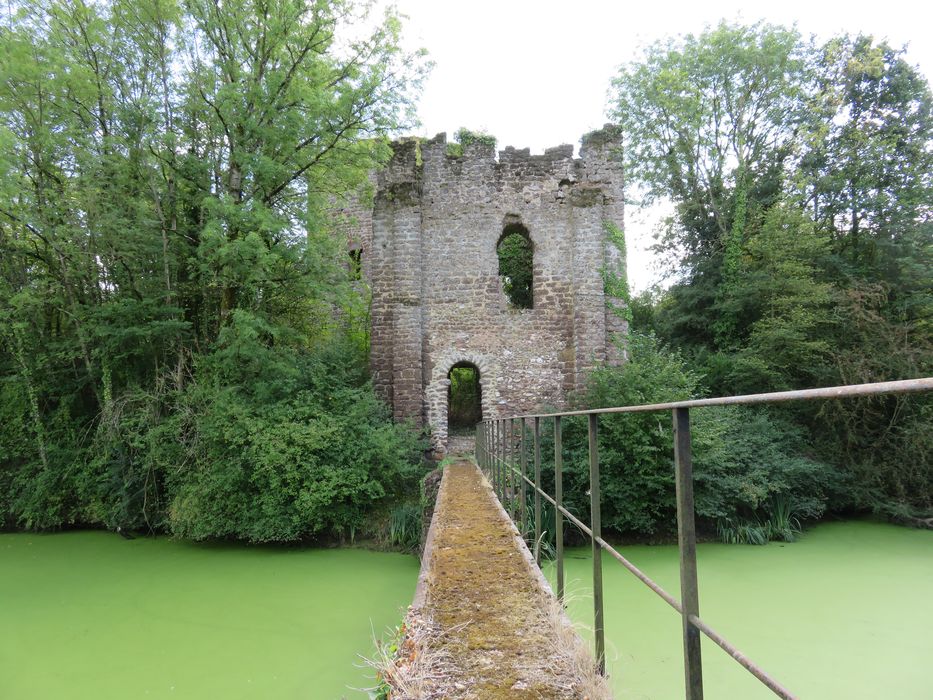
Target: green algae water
844	613
88	615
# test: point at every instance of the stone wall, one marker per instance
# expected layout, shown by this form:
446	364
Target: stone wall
429	254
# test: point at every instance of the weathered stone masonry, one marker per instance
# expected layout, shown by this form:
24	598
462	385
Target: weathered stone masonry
429	254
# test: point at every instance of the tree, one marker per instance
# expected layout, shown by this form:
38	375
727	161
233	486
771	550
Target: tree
785	299
868	169
867	179
709	121
167	167
285	115
803	194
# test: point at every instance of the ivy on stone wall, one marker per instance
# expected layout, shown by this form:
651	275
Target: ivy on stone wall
615	283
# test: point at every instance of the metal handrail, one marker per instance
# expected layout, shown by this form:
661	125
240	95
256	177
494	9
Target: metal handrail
496	455
904	386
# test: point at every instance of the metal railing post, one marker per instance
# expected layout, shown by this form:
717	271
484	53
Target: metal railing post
524	467
490	446
501	448
687	544
537	438
498	454
596	527
495	456
559	500
482	437
486	446
505	460
477	449
513	454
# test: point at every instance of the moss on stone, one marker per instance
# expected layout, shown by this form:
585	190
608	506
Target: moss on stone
480	585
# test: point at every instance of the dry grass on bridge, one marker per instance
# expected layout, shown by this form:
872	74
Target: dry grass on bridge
486	628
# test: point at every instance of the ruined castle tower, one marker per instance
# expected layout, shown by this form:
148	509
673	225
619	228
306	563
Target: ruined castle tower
428	249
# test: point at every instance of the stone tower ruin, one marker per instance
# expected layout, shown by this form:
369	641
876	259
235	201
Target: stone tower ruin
428	249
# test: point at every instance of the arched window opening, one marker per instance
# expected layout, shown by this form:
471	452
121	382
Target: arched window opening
464	399
516	259
356	264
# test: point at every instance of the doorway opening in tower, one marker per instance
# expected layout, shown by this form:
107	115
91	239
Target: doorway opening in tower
464	399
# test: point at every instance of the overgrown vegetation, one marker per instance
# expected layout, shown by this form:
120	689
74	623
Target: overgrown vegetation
750	464
465	138
465	408
405	526
182	347
800	255
516	266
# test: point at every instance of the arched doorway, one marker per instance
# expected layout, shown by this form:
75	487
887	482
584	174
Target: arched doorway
464	399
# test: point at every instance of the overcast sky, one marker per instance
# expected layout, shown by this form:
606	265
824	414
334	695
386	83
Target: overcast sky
535	73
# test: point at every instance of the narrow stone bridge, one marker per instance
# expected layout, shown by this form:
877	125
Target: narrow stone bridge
484	623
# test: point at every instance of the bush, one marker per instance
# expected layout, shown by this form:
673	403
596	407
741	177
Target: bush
288	447
265	442
751	464
745	459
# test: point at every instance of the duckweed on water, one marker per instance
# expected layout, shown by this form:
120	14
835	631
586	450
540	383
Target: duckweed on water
88	615
843	613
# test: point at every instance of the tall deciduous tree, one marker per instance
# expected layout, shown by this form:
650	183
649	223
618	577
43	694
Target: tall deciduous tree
709	121
801	178
868	168
166	168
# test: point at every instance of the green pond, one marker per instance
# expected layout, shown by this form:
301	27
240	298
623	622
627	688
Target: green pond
844	613
91	615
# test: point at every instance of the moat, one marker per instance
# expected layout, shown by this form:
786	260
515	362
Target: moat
842	613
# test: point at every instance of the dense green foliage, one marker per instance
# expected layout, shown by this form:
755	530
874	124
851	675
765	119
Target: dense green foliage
516	268
800	246
748	462
181	340
283	447
464	398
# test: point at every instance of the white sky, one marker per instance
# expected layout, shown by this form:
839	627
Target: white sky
535	73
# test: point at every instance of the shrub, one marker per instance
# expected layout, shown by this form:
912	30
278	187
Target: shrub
301	447
745	459
265	442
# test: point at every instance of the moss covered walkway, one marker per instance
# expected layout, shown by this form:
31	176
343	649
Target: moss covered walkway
485	624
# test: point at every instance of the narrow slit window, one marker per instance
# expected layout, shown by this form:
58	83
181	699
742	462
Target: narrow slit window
356	264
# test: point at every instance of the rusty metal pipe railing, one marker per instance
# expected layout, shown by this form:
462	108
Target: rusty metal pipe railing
905	386
558	507
493	457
